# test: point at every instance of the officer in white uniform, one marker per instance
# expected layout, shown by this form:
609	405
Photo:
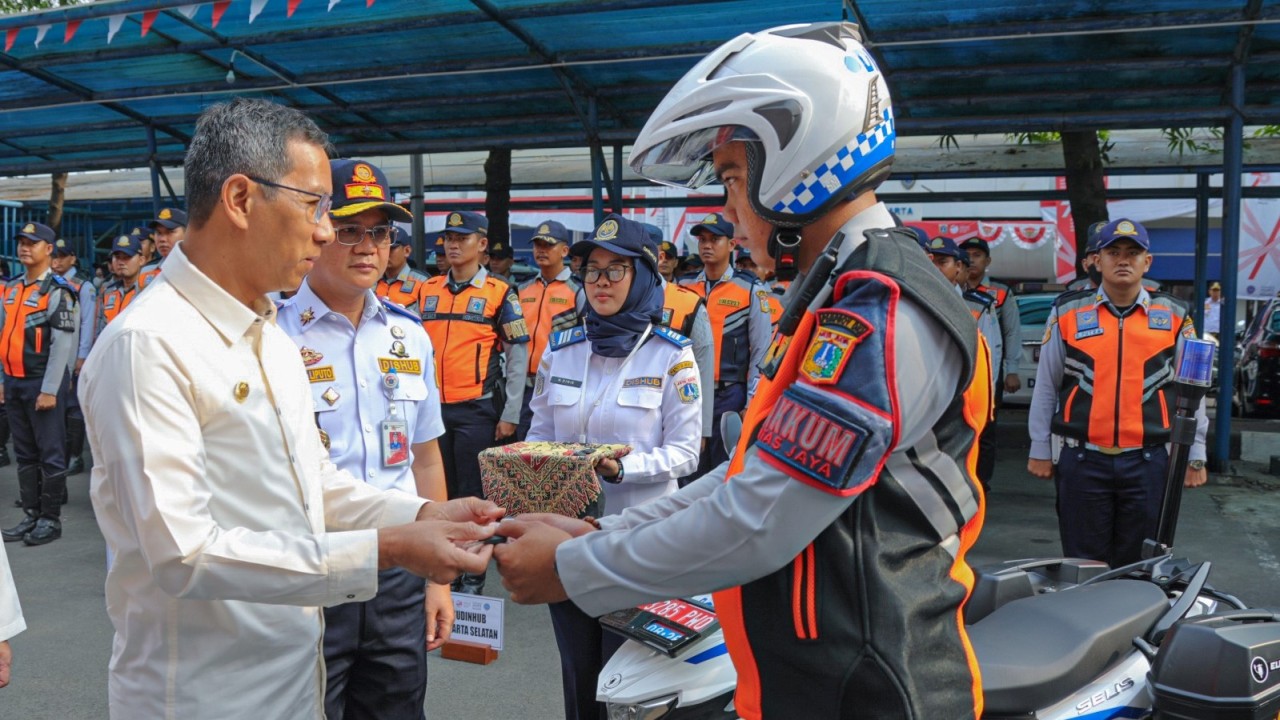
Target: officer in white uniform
378	412
620	378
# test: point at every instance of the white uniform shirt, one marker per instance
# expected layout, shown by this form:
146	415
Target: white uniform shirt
346	367
653	403
214	494
11	622
1212	315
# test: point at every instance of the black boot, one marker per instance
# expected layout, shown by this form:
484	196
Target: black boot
45	532
4	456
49	526
29	497
75	446
16	533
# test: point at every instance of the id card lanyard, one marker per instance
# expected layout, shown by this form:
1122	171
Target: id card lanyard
394	430
584	408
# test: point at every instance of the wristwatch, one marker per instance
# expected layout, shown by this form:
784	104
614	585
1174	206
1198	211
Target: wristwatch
1196	464
616	478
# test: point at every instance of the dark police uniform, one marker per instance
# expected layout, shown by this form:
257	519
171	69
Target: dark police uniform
38	324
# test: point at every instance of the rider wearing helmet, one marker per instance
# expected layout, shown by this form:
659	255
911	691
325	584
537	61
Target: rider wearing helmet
837	532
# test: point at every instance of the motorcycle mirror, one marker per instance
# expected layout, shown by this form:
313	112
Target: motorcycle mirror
730	431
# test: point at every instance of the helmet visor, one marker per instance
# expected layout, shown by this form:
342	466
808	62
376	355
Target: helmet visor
685	160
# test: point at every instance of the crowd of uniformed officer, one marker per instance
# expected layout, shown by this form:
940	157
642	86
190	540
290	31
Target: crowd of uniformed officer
51	316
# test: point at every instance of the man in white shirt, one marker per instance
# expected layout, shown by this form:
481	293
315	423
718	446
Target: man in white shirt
229	525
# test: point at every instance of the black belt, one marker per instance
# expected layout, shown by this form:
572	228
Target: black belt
728	384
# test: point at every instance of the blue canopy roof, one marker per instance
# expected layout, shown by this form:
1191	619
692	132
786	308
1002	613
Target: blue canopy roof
400	76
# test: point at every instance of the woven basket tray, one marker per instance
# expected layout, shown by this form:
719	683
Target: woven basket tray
545	477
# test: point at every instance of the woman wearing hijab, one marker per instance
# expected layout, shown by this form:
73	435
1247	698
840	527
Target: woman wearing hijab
622	378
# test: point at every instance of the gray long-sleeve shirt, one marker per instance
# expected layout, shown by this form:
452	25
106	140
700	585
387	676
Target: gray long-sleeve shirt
714	534
62	343
1044	398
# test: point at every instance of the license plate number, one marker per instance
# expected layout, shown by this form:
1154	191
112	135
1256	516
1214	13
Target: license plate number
679	611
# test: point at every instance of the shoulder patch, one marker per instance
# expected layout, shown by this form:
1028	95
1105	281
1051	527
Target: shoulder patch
565	338
398	310
820	444
838	333
671	336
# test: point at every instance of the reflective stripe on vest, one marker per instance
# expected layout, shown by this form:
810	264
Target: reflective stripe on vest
548	308
27	333
729	308
464	333
1117	372
796	616
679	308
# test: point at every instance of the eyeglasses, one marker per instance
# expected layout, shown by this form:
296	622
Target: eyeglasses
615	273
351	235
322	207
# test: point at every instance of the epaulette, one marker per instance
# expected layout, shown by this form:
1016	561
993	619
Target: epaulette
1071	295
565	338
399	310
671	336
59	280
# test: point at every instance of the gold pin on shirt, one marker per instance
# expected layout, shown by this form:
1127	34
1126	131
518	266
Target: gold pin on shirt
241	391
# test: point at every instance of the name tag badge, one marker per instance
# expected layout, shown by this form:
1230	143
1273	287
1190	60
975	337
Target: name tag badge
1087	324
395	442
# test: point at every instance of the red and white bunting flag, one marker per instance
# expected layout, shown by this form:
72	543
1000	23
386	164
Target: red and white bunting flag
113	26
293	5
255	9
333	2
9	36
70	32
148	18
219	8
189	11
40	33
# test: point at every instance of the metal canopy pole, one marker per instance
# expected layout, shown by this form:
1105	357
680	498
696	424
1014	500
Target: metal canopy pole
154	162
415	207
597	165
615	192
1200	288
1233	160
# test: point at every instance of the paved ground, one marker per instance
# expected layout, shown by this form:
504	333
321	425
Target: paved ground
61	661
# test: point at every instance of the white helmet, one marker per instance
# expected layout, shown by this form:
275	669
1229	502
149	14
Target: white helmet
809	96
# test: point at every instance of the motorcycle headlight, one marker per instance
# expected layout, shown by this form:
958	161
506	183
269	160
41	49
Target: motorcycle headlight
647	710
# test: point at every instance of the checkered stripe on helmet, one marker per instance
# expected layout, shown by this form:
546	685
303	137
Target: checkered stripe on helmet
843	167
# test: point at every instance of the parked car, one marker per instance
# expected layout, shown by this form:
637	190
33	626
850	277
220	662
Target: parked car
1033	311
1257	365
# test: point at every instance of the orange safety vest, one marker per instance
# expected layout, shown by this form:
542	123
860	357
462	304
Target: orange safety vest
729	308
466	329
145	278
999	292
550	307
114	301
679	308
405	289
862	591
28	328
1111	393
